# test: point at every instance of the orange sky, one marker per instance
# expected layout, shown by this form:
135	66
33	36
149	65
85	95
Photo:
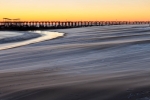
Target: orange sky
55	10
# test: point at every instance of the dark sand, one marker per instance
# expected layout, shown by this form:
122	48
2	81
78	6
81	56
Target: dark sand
94	63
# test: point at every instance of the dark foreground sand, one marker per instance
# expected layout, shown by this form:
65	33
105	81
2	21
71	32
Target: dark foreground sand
97	63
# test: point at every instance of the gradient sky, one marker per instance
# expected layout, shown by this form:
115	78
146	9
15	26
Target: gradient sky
50	10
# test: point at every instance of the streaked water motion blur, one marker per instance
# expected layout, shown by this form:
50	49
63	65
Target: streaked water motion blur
91	63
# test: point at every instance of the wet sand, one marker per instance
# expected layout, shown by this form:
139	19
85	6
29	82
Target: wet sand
94	63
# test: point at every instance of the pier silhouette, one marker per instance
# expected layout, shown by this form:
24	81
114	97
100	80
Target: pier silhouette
16	24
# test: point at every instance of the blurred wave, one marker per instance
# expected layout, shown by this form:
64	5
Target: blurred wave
28	39
90	63
6	34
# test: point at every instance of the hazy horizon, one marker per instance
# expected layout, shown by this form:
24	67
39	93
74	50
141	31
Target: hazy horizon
76	10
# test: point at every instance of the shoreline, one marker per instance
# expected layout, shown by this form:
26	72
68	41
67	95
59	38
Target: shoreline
28	38
39	28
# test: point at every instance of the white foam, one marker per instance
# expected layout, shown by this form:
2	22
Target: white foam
46	35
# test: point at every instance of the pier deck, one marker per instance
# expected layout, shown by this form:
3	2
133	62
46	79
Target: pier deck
34	25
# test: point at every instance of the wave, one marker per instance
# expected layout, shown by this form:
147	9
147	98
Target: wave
90	63
9	34
44	35
19	38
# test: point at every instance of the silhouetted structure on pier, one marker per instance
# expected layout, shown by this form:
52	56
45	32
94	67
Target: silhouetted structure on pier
16	24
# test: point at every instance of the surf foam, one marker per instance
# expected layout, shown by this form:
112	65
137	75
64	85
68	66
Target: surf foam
45	35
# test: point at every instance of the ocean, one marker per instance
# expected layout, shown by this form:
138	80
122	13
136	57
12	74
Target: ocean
89	63
8	34
27	38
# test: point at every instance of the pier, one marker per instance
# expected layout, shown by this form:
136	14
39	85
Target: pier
16	24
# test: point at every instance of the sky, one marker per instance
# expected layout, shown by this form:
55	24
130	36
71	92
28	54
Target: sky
76	10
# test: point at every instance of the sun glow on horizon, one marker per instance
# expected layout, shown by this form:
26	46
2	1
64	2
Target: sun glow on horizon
76	10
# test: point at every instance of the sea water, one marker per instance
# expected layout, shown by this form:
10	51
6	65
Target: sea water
45	35
8	34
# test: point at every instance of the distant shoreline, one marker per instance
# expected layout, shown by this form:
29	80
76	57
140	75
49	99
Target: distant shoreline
33	28
42	25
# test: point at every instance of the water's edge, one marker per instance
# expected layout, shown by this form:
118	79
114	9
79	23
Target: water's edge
18	36
30	38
